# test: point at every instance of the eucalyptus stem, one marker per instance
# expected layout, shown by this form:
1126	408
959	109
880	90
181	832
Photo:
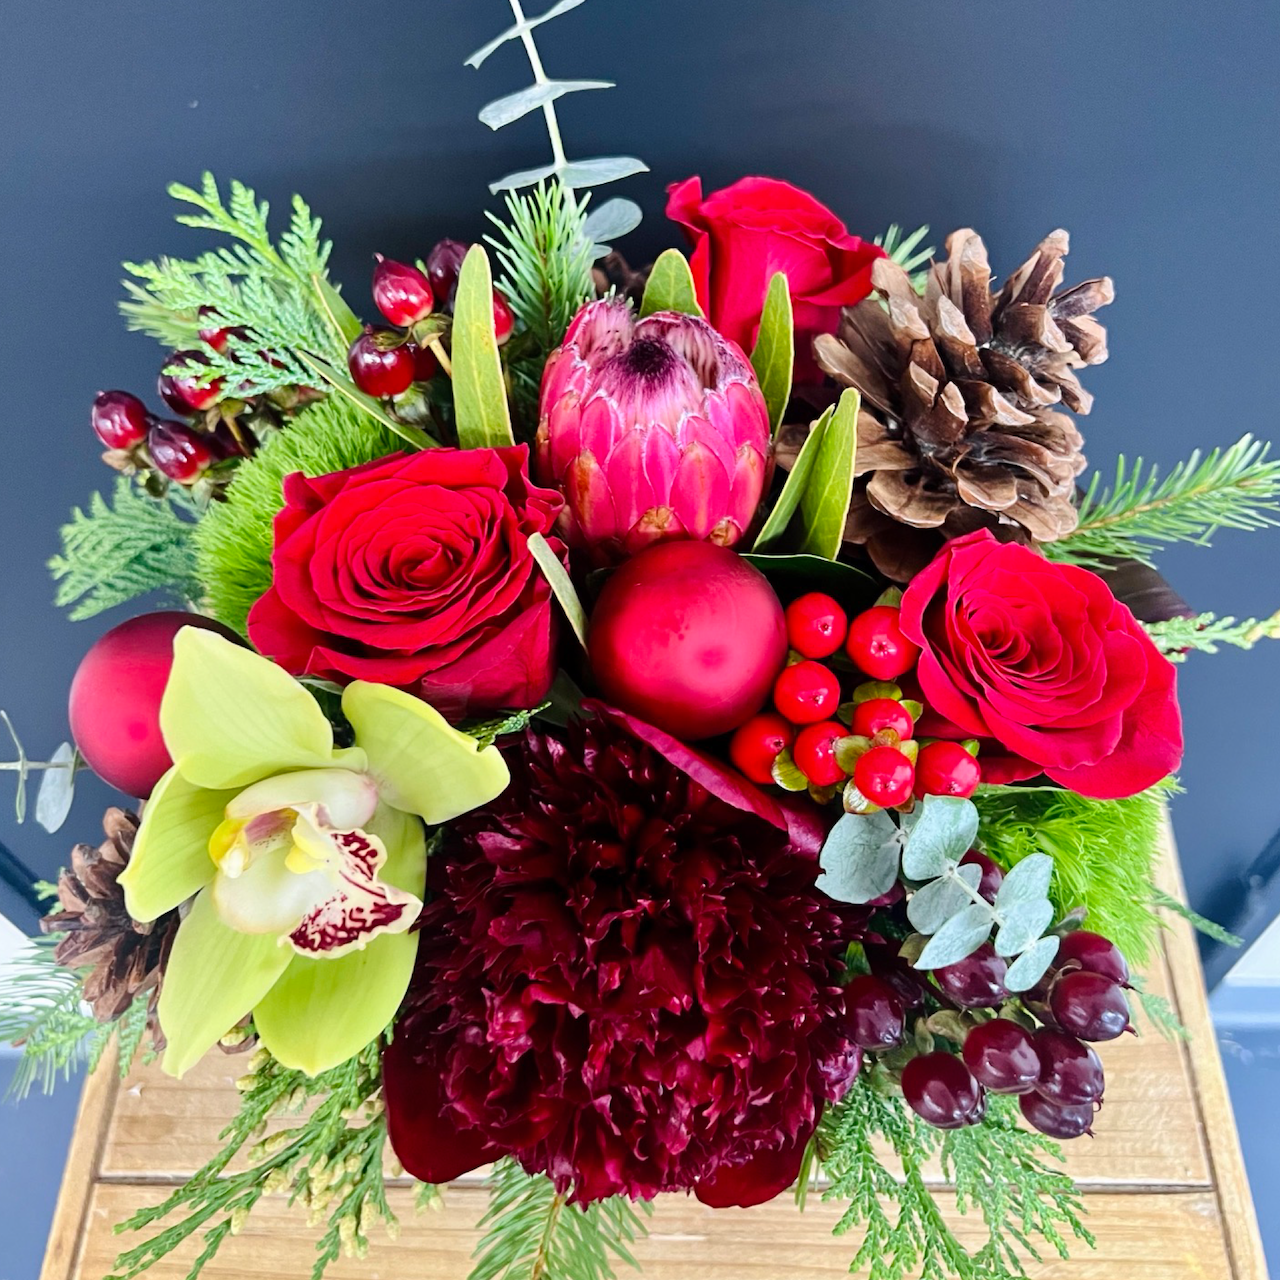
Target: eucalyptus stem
548	108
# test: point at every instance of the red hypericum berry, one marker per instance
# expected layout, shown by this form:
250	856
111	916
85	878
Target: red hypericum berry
119	419
814	752
977	981
1070	1072
178	451
992	874
806	692
875	1017
755	746
401	292
1002	1056
184	393
1093	953
816	625
946	769
215	335
1056	1121
877	645
425	364
884	775
1090	1006
443	264
504	320
877	714
941	1090
379	365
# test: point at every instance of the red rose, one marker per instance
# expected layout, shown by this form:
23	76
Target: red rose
1044	659
758	226
415	571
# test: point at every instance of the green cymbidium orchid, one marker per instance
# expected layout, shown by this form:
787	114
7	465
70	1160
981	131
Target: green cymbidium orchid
305	863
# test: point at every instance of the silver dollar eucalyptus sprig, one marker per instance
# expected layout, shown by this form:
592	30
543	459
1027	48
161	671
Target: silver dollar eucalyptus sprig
57	787
610	220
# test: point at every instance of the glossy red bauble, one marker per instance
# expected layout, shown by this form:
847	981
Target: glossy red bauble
816	625
757	744
806	692
815	752
688	636
946	769
876	643
115	699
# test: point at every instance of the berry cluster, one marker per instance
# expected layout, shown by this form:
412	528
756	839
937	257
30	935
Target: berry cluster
972	1037
867	746
385	362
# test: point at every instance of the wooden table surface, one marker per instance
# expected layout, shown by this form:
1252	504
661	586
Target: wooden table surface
1163	1181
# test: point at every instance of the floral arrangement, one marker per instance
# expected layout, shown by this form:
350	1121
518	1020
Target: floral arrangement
676	730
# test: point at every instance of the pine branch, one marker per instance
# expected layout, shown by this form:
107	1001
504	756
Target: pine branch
534	1233
1202	924
123	548
1206	632
1158	1011
904	251
1233	488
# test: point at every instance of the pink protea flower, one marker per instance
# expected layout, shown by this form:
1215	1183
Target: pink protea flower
652	429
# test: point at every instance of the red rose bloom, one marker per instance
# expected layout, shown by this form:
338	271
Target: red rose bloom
415	571
626	979
1045	660
758	226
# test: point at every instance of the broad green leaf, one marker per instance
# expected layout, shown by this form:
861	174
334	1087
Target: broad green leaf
57	789
943	833
960	937
612	219
214	977
1031	965
775	349
1023	924
796	483
479	390
561	585
791	576
344	322
422	764
170	860
367	404
1026	881
670	286
824	502
860	858
504	111
933	905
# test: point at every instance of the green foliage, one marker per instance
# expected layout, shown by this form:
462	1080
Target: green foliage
1202	924
278	292
1104	853
997	1166
534	1233
1157	1010
1206	631
125	547
233	542
670	286
487	732
479	389
779	519
774	355
824	501
1233	488
331	1161
904	251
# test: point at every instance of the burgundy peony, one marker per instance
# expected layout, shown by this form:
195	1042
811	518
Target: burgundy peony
626	979
745	233
1045	660
415	571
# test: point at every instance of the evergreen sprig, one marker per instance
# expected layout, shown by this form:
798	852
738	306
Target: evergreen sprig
905	251
1206	632
124	547
1233	488
1201	924
534	1233
332	1162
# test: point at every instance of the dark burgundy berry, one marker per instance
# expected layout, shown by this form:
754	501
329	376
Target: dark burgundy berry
1070	1072
1090	1006
425	364
443	264
992	874
1093	953
185	393
1056	1121
875	1017
380	364
941	1090
178	451
1002	1056
119	419
976	982
401	292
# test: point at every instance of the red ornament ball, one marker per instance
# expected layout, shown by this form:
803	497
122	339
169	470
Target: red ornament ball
115	699
689	637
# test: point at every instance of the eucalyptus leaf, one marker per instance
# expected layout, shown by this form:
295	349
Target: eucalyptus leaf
1031	965
522	178
796	483
504	111
935	903
612	219
517	29
670	286
824	504
561	585
860	858
57	789
1022	924
479	389
959	938
1026	881
602	169
942	834
775	349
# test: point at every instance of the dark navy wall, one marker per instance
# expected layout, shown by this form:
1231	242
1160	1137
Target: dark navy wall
1147	129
